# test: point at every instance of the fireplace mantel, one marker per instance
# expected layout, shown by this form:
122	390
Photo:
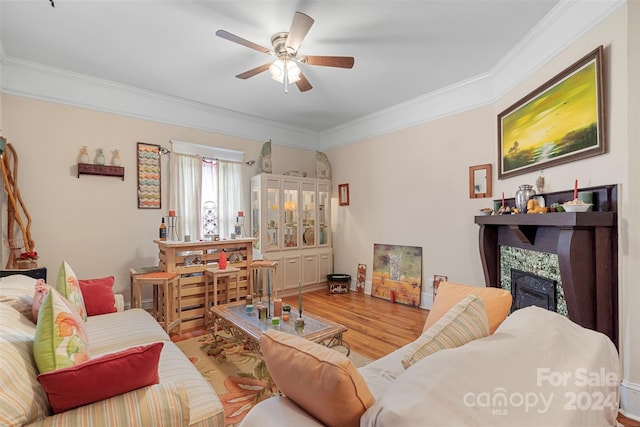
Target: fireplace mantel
586	245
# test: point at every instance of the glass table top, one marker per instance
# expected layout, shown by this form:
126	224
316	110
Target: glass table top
311	323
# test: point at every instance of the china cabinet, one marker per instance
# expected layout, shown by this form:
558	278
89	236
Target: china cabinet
290	223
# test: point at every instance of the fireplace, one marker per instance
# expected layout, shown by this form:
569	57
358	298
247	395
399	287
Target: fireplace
530	289
586	246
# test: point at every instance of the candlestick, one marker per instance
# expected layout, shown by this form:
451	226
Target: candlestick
300	298
575	190
268	283
503	199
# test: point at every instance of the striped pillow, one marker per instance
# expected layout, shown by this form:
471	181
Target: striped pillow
464	322
160	405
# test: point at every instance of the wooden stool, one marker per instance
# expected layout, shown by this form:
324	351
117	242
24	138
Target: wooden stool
213	274
263	266
168	312
137	271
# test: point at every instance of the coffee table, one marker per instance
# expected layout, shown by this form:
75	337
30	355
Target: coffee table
247	327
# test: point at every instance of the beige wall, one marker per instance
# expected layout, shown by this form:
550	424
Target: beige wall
93	221
411	187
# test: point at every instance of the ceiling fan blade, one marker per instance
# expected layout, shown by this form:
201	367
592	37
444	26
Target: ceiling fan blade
303	84
299	29
329	61
252	72
236	39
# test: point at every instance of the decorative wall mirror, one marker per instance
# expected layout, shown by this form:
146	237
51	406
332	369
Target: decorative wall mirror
480	181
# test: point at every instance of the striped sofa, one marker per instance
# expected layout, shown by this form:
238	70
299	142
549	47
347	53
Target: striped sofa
182	397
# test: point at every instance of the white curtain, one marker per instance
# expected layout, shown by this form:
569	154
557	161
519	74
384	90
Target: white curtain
231	200
185	183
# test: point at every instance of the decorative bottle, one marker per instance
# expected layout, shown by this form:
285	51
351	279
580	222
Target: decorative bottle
84	154
163	231
238	228
100	157
524	193
540	183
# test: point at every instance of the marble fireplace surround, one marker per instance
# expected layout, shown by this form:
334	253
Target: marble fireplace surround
586	244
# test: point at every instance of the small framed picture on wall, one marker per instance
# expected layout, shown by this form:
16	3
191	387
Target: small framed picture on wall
343	194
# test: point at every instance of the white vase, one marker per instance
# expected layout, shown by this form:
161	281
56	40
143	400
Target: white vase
84	155
115	160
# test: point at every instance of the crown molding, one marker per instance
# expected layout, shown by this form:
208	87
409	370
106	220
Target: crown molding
36	81
564	24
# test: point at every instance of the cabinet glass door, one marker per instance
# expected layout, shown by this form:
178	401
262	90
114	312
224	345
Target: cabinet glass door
272	216
255	214
291	204
308	214
323	205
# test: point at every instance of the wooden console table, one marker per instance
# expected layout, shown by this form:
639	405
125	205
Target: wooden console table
587	247
190	260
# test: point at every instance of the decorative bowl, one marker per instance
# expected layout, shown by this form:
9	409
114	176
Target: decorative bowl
485	211
568	207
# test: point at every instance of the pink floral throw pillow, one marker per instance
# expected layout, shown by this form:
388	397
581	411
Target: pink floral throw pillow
69	287
42	289
61	338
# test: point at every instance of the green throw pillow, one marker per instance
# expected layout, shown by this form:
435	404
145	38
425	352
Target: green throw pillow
69	287
61	337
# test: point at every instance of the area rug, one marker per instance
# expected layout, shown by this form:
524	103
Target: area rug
238	375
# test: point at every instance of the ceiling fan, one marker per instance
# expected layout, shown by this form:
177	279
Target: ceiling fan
285	49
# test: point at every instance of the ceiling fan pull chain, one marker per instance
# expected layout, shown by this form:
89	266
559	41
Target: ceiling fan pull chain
286	77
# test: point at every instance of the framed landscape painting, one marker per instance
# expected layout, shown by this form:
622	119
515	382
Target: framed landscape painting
561	121
399	269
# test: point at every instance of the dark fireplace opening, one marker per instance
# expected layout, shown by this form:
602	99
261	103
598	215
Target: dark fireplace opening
530	289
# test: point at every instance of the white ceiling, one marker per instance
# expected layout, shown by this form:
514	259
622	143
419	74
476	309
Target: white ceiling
403	49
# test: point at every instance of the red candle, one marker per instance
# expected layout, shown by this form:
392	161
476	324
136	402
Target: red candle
575	190
172	213
503	199
240	213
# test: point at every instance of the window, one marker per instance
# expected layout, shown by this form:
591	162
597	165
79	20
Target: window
206	192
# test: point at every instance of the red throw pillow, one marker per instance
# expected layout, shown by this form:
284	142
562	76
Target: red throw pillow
98	295
102	378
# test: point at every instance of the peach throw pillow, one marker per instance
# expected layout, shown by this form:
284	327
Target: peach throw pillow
322	381
496	301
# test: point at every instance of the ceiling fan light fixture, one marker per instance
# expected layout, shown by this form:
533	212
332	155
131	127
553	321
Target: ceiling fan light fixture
277	71
293	72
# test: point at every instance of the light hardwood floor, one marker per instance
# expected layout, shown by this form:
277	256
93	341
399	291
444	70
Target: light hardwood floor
375	327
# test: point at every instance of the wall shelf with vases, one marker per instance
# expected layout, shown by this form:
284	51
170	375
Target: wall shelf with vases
89	169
